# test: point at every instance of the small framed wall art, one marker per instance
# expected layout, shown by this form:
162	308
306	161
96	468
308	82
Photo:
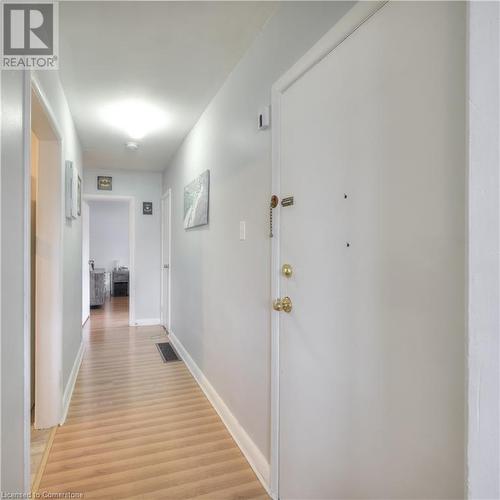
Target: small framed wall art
104	183
79	197
73	192
147	208
69	186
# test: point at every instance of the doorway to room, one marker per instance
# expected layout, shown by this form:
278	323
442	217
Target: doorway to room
45	343
107	254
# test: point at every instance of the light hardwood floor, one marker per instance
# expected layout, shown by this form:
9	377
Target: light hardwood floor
112	314
141	428
39	441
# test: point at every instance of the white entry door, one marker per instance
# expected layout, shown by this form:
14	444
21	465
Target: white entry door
372	363
165	260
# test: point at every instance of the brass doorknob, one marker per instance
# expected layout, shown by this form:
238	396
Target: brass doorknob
284	304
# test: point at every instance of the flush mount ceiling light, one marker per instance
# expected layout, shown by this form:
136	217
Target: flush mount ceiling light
135	118
132	146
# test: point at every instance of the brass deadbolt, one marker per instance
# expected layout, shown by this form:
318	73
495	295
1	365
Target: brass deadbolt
286	270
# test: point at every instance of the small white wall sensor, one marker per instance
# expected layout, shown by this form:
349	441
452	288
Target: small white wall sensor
264	118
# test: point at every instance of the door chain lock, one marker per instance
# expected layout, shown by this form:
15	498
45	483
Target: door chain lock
274	203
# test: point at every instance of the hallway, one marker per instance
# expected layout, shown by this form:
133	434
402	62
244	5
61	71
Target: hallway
250	250
114	313
140	428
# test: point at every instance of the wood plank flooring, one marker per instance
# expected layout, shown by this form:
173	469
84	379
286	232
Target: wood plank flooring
39	441
141	428
113	313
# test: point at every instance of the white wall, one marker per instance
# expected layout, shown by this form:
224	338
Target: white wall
13	378
109	236
484	233
49	84
221	285
143	186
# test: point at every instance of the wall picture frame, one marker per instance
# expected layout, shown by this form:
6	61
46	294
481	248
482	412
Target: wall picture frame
74	194
104	183
69	182
73	191
196	201
147	208
79	197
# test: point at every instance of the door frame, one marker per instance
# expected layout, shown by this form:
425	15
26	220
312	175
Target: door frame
131	242
85	217
31	86
345	27
166	200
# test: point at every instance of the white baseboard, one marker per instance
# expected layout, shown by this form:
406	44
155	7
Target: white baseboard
252	453
68	391
147	322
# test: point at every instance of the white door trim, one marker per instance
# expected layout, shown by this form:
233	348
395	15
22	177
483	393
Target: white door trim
131	246
85	264
166	198
27	277
31	85
354	18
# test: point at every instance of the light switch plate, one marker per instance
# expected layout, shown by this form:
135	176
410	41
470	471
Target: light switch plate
243	230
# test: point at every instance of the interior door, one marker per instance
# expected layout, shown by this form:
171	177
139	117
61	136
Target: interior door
372	379
165	267
85	261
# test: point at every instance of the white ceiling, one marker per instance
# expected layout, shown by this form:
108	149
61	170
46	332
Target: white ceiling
175	55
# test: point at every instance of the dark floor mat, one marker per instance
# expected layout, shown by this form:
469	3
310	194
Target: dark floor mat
167	352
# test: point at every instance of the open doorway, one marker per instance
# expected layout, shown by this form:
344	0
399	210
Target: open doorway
109	268
85	261
46	276
166	237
